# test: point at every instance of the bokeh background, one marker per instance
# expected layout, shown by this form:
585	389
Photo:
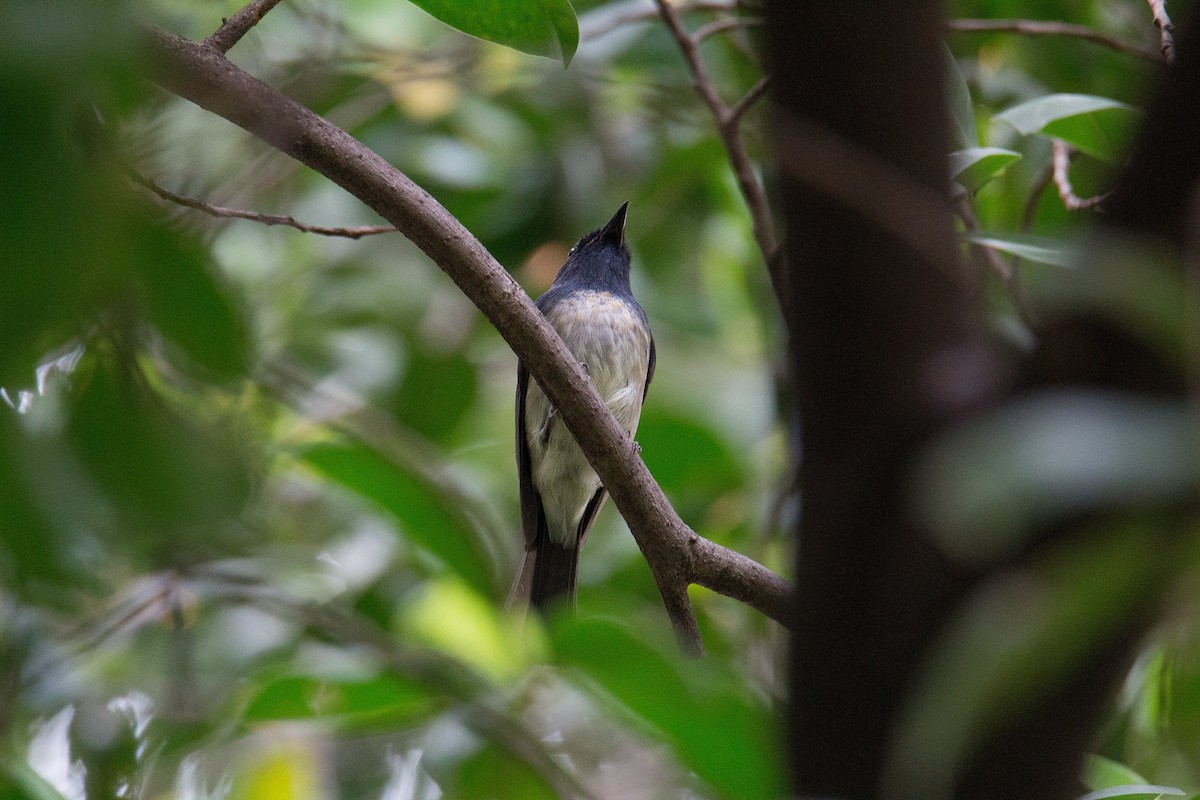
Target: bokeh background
258	508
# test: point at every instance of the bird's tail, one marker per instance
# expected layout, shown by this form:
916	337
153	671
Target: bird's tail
547	576
554	569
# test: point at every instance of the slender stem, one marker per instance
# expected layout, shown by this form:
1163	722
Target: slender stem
1062	180
1166	31
1037	27
756	93
222	212
725	24
730	132
237	26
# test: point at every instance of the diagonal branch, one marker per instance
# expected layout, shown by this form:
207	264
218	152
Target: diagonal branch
202	75
233	29
221	212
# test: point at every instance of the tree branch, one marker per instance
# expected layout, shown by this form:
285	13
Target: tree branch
222	212
756	93
725	24
233	29
731	136
1166	31
1037	27
1062	180
205	77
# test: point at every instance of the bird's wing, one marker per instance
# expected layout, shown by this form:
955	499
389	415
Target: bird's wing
531	504
589	515
649	370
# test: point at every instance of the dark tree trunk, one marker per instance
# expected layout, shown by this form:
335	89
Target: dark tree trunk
886	357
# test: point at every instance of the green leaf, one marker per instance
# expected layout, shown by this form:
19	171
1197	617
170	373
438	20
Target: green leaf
721	733
688	459
34	556
1134	790
975	166
19	782
962	108
436	413
538	27
1041	249
185	302
166	473
480	636
381	700
493	773
432	519
1104	773
1097	126
984	488
1014	642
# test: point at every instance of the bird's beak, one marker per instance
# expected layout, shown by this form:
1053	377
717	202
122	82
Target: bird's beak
614	231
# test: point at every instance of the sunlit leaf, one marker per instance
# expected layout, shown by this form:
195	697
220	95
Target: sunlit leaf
1134	790
1104	773
975	166
1041	249
1097	126
382	700
479	636
287	769
432	519
723	735
538	27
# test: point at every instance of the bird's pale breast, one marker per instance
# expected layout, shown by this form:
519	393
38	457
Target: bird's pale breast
610	339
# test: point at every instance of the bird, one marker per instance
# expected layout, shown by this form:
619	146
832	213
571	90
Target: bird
591	306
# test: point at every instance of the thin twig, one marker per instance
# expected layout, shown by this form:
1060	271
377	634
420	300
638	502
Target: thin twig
1008	272
725	24
1062	180
990	256
266	219
731	136
756	93
1166	31
237	26
610	22
1037	27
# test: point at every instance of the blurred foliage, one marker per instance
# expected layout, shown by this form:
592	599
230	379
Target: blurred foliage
257	498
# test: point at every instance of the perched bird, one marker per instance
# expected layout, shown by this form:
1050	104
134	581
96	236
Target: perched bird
591	306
